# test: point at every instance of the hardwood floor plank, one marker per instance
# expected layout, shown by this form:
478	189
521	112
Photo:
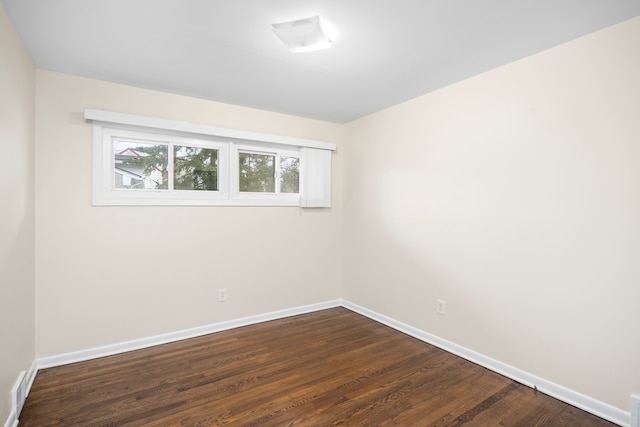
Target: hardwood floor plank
332	367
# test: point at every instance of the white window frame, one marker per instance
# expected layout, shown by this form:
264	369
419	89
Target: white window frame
106	193
315	163
268	149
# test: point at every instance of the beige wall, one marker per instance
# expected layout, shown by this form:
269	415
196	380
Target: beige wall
515	197
17	304
111	274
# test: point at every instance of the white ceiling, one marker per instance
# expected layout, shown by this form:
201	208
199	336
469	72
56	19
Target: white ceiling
385	51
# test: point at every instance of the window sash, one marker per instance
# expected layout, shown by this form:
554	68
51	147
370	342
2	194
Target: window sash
277	169
105	193
277	153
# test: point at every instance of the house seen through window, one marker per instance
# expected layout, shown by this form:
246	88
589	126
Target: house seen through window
145	166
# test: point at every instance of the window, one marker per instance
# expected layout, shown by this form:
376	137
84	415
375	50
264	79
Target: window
144	161
130	165
257	172
271	172
143	165
195	168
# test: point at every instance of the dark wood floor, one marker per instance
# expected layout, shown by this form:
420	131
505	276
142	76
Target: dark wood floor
332	367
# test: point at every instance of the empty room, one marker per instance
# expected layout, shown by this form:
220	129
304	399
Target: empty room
313	213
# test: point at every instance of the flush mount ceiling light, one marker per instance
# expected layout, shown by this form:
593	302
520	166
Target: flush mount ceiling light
303	35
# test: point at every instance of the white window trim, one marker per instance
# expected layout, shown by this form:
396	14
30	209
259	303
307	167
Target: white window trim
173	125
315	163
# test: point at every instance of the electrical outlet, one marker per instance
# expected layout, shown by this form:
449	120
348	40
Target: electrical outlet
440	307
222	295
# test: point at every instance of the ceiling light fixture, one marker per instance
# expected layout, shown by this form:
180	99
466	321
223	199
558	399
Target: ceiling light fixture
303	35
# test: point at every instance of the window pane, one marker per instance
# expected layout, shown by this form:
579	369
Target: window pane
140	166
195	168
289	174
257	173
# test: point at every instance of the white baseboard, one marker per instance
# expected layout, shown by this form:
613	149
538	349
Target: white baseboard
31	376
586	403
12	421
108	350
634	403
